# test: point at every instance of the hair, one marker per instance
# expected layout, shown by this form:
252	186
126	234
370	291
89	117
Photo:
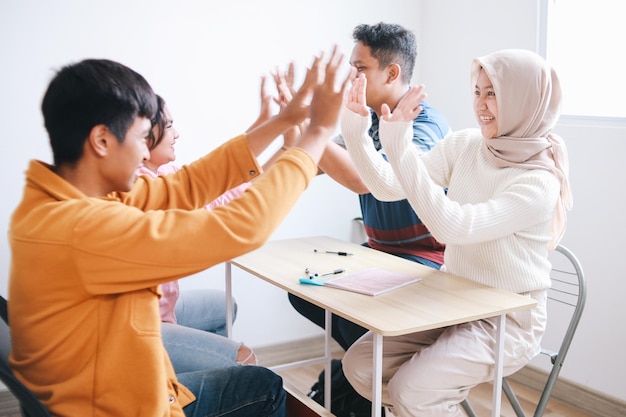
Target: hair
90	93
159	121
389	43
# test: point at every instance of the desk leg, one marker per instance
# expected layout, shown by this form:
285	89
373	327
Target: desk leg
229	299
328	325
377	376
498	371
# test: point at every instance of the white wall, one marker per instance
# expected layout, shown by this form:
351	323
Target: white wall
206	60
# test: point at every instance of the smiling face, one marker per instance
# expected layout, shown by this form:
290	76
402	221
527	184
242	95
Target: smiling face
126	157
164	152
486	106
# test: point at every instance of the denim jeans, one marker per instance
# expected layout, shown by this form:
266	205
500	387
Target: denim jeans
198	341
203	310
242	391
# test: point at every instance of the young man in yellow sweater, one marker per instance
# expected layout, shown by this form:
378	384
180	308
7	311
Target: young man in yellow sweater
91	243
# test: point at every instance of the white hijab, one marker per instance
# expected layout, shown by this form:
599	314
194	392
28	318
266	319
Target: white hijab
528	95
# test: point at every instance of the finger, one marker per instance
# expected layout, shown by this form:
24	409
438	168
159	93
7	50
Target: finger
385	111
418	92
362	89
336	58
291	71
354	90
313	73
263	93
285	93
276	76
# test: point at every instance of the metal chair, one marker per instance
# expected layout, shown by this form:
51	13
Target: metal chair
568	292
30	406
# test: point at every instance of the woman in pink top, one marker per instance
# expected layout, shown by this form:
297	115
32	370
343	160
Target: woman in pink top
193	322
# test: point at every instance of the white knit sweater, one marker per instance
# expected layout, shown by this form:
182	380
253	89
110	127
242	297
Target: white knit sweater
495	222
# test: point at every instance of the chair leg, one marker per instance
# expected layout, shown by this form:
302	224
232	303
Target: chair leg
510	394
467	407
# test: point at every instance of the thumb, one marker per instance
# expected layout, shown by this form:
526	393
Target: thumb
385	112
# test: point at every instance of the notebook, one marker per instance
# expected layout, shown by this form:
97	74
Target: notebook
372	281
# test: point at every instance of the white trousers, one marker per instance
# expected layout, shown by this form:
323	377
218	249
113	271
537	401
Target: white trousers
430	373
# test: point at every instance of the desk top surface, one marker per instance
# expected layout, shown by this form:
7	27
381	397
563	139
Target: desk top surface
439	299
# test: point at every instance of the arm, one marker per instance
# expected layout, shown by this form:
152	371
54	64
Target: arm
228	196
520	202
336	162
162	245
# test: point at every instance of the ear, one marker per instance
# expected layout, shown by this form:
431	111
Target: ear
99	140
393	73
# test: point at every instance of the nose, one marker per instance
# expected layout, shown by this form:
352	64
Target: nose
480	103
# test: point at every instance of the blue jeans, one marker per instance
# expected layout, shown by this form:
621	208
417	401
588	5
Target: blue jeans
198	341
203	310
242	391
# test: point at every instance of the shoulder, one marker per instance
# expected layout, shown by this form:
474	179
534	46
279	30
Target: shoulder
146	171
466	136
167	169
542	177
429	127
464	139
433	118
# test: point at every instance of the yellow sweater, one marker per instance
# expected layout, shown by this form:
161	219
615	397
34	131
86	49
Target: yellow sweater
83	300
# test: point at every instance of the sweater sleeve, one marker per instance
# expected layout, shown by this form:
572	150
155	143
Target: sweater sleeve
162	245
524	200
374	170
197	184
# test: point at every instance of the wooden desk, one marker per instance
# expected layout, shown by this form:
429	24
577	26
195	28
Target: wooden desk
439	299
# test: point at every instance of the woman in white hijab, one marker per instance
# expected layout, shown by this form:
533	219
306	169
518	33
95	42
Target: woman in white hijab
504	210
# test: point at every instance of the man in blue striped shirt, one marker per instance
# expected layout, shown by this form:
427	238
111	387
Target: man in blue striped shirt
386	54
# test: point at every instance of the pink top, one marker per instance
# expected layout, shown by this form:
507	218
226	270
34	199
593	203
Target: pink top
171	290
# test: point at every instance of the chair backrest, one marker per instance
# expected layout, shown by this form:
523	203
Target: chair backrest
567	294
566	298
29	404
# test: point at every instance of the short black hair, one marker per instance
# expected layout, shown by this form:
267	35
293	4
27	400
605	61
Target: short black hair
389	43
90	93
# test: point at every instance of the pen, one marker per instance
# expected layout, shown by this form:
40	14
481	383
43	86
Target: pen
332	251
335	272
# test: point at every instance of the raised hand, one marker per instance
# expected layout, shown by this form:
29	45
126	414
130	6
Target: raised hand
285	85
326	103
297	110
327	99
356	101
408	107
